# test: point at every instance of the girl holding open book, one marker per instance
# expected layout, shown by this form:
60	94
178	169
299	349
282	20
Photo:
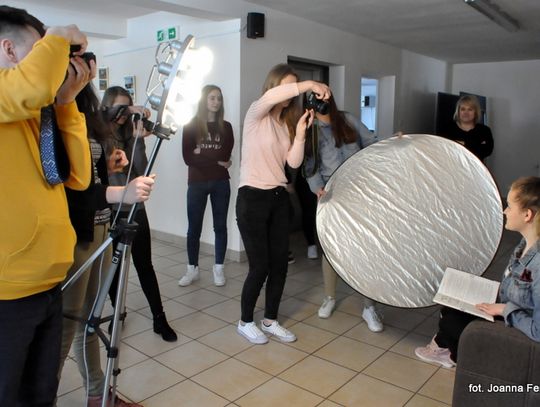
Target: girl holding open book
519	292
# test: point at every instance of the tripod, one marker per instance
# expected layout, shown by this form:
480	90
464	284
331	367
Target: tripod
124	232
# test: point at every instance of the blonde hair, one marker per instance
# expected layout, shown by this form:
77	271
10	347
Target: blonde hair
527	191
291	113
471	101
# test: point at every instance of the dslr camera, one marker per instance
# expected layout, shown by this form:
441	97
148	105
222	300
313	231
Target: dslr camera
87	56
318	105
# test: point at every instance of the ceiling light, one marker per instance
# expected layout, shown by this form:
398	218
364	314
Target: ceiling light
494	13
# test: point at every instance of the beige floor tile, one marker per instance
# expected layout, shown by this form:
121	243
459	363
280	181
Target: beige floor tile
70	379
352	304
402	318
297	309
364	391
186	394
226	340
191	358
338	323
440	386
152	344
197	324
401	371
128	356
429	327
75	398
328	403
231	289
349	353
231	379
228	311
172	290
310	338
165	250
146	379
385	339
311	276
317	376
272	358
293	287
278	393
161	263
409	343
201	299
237	270
133	324
173	310
421	401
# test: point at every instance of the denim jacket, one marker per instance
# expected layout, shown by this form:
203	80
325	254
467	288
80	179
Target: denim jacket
329	157
520	291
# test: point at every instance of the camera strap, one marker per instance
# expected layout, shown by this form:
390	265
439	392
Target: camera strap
54	159
314	149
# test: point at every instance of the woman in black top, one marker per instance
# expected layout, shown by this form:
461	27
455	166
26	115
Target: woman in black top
467	130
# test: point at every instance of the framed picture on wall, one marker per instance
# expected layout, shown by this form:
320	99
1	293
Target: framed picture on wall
129	84
103	77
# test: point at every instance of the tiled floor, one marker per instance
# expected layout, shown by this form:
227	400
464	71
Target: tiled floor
335	362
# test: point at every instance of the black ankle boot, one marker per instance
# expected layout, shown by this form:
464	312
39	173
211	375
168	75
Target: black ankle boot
161	326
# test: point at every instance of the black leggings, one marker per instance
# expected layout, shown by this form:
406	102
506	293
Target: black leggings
308	203
451	325
141	252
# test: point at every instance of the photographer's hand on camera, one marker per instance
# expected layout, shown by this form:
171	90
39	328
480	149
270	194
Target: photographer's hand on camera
321	90
79	74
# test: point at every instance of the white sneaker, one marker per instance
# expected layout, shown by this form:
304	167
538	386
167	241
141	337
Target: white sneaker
219	275
252	333
327	307
192	274
283	334
372	319
312	252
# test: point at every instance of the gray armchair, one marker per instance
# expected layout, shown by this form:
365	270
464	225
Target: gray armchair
492	355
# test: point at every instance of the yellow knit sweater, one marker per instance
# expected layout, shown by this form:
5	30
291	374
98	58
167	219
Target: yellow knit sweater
36	237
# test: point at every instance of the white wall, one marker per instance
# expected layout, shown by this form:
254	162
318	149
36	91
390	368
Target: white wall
513	100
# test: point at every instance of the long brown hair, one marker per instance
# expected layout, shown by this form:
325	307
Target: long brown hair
343	131
528	197
125	131
201	117
291	113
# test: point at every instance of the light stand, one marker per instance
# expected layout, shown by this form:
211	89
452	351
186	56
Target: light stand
178	73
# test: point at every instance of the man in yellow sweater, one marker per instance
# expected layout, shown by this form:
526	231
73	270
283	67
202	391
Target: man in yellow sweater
36	238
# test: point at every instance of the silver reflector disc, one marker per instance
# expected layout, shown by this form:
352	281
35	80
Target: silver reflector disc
400	211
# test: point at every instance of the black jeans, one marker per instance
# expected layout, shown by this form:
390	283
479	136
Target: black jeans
141	252
451	325
308	203
263	220
30	337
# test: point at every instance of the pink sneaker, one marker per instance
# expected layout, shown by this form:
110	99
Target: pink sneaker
434	354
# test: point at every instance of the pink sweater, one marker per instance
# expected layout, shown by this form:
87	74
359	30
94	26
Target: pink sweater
265	145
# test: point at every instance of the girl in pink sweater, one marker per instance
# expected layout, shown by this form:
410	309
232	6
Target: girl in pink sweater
273	136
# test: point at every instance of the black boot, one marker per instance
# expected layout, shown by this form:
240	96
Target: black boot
161	326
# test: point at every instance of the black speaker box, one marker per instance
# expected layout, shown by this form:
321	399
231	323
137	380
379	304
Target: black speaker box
255	25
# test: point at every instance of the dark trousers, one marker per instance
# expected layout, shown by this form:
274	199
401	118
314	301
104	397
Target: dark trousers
263	221
30	337
308	203
451	324
141	252
197	197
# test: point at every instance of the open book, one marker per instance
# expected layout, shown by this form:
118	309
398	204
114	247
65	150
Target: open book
462	291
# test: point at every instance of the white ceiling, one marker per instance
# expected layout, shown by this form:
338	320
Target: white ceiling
448	30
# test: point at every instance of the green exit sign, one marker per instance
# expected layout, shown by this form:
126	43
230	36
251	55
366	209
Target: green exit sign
160	35
172	33
167	34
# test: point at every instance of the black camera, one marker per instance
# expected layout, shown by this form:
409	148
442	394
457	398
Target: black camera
318	105
87	56
147	124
